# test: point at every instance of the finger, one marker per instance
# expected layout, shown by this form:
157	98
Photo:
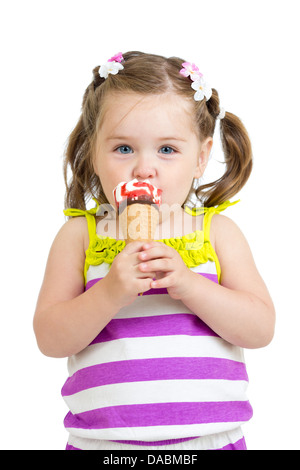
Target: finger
146	275
144	285
160	264
151	244
133	247
161	283
157	251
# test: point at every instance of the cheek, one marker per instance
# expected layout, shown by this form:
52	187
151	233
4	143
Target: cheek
108	186
178	190
110	175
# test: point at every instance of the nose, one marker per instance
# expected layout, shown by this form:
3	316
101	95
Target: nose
144	168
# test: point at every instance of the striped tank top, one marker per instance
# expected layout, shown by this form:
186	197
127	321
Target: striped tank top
156	372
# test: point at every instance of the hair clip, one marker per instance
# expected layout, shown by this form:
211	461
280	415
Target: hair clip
203	90
112	66
221	115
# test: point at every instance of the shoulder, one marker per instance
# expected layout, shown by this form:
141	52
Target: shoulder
69	246
63	277
224	230
74	232
232	249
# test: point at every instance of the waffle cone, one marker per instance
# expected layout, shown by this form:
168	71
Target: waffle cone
139	222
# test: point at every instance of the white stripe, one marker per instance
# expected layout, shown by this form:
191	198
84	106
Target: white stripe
155	433
100	270
154	347
163	391
206	268
211	442
152	305
96	272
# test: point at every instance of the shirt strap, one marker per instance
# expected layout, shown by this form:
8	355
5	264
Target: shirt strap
208	214
90	217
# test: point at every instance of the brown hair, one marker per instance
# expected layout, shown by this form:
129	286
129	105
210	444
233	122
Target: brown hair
145	74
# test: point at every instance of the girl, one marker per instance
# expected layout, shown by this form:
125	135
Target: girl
164	369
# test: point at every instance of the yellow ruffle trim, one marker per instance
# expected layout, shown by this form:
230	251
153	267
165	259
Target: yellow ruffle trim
191	247
194	248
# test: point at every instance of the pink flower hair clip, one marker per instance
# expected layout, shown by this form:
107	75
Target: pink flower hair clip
203	90
201	87
112	66
190	70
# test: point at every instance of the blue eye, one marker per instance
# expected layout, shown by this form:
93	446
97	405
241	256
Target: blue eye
166	150
124	149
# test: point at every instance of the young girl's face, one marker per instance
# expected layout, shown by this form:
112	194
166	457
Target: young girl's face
150	137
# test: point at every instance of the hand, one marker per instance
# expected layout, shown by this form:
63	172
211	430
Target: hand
171	271
125	280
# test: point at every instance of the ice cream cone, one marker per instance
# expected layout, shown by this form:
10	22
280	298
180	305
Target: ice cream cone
139	222
137	203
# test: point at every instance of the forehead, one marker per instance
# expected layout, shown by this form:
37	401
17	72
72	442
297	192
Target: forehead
124	110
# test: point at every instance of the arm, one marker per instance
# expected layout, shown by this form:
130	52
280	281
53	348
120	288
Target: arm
240	309
67	319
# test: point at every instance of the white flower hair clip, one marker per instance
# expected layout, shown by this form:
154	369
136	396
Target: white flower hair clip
112	66
203	90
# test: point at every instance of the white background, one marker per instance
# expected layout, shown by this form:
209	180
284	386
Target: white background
249	51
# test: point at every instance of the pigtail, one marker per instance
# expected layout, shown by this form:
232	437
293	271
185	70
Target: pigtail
79	151
238	160
75	160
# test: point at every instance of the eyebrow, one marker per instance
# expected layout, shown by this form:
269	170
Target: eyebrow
173	138
117	137
160	138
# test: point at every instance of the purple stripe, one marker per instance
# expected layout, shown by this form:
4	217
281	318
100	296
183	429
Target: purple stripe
157	291
211	277
159	325
140	370
160	414
69	447
238	445
90	283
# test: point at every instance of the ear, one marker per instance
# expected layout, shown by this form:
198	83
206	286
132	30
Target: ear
205	149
